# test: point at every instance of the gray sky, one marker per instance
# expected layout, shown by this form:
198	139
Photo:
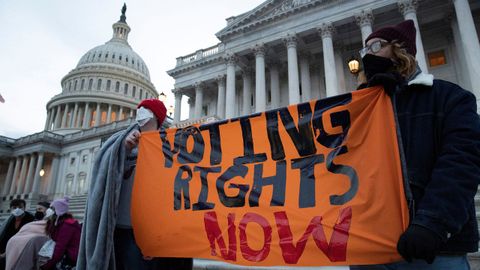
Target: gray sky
42	40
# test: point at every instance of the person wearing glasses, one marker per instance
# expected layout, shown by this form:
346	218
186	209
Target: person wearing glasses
439	132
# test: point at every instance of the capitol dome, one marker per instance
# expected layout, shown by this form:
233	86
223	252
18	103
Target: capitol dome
105	86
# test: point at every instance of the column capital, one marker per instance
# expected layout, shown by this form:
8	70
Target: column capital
326	30
199	85
177	93
220	79
230	58
259	49
407	6
290	40
364	17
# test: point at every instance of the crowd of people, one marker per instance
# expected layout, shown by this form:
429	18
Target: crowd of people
49	239
439	134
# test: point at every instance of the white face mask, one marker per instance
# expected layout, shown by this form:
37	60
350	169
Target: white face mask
143	116
48	213
17	212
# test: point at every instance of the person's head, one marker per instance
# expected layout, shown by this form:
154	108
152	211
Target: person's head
150	114
40	210
397	44
17	207
60	206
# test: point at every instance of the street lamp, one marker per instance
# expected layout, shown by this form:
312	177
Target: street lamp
353	65
41	173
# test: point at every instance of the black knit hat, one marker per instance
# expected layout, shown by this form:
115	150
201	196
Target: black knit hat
403	32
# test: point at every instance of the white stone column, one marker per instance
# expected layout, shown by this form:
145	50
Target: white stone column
178	106
75	174
120	112
331	81
57	117
247	91
15	176
191	111
49	116
305	77
408	8
52	182
221	96
293	83
231	60
60	177
8	180
86	116
73	122
260	82
64	117
79	119
109	114
23	171
275	84
364	20
470	44
198	99
339	67
36	178
31	170
98	114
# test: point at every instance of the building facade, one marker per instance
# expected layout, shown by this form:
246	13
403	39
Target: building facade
98	98
288	51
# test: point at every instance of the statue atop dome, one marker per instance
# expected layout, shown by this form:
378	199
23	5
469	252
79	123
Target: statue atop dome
123	18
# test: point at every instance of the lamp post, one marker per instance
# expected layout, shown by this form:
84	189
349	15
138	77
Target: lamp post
353	65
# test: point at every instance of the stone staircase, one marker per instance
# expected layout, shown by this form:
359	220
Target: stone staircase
77	206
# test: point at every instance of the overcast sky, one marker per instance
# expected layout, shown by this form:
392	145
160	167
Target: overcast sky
41	41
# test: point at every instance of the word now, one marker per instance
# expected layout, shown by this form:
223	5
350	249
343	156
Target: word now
335	250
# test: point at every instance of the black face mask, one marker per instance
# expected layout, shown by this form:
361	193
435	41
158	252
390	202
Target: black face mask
373	64
39	215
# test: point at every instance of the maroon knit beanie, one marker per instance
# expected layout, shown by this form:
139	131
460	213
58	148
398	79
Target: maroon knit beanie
403	32
157	107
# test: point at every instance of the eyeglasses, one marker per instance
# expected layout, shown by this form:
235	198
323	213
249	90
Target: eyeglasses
375	47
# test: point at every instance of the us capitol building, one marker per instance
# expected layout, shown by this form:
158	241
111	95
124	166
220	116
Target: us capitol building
98	98
279	53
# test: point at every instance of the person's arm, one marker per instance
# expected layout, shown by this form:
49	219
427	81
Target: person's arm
63	238
444	208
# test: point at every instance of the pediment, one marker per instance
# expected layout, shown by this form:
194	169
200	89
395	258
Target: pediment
270	10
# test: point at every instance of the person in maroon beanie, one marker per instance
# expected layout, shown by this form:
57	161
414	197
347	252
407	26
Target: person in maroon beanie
439	135
65	231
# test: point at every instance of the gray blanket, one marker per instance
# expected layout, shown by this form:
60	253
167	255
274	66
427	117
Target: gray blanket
96	243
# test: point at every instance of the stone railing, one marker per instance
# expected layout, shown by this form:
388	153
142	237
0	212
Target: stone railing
44	136
200	54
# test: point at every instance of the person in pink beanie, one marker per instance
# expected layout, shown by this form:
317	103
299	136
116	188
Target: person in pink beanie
65	231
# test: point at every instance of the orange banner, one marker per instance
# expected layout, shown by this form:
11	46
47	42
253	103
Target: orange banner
312	184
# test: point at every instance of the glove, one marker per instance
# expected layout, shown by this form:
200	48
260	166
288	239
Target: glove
418	242
391	82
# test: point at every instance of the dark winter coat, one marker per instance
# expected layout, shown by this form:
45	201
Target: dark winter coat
67	242
440	131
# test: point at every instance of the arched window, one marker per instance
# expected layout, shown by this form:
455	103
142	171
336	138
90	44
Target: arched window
75	86
117	87
90	83
99	84
82	179
70	86
126	59
134	89
108	85
141	93
69	184
125	89
83	84
113	56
